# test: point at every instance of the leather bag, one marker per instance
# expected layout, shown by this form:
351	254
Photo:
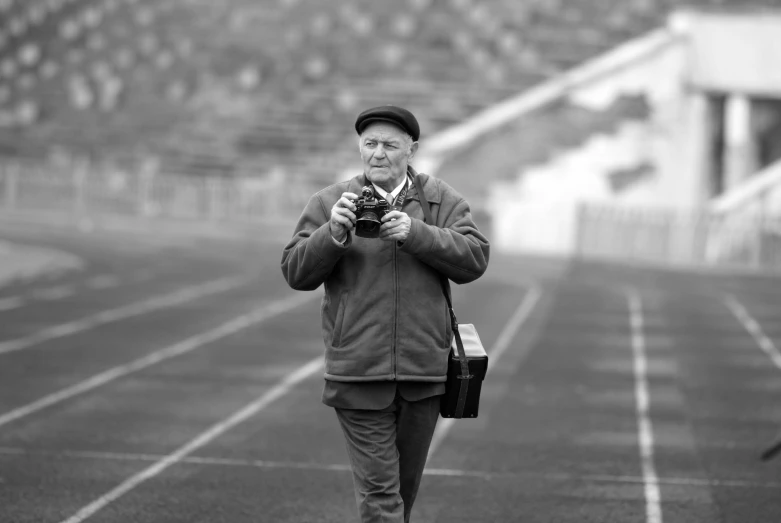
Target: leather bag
468	361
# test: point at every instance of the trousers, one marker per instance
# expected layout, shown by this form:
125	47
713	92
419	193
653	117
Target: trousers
387	449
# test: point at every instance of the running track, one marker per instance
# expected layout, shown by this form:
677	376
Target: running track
178	379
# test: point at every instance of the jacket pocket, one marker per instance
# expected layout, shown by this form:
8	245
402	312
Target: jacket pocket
336	338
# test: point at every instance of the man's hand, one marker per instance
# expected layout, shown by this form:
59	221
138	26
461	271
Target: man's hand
395	227
342	217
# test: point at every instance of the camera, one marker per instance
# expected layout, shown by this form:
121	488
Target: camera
369	210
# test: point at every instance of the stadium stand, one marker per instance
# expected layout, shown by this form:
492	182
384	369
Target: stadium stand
240	87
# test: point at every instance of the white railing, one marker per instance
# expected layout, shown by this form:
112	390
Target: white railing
733	236
758	196
697	239
86	190
749	218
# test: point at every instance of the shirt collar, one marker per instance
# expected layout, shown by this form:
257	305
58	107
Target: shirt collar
395	192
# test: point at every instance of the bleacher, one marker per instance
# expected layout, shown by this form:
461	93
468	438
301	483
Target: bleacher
244	88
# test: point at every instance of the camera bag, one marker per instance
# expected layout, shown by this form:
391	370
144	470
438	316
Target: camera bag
468	361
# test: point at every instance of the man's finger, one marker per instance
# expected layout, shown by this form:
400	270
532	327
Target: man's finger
344	203
347	213
344	211
399	222
392	215
345	218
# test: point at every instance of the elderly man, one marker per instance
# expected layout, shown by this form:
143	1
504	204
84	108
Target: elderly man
385	319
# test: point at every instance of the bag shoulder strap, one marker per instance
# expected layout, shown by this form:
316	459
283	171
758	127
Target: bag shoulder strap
464	377
423	200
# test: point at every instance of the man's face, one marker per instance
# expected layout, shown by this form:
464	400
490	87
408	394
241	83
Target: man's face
386	150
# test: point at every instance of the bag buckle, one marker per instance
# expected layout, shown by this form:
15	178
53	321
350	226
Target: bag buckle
467	377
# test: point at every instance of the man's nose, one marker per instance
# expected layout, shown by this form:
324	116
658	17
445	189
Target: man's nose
379	151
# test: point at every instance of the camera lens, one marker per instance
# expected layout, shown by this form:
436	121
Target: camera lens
368	225
369	217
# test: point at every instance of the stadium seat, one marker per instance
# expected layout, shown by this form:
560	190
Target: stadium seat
266	84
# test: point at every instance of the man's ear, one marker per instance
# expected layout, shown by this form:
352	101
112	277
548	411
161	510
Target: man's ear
413	149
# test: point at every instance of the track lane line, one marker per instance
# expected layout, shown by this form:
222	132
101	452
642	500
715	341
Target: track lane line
177	349
6	304
519	317
344	467
61	291
753	327
276	392
762	340
653	503
54	293
178	297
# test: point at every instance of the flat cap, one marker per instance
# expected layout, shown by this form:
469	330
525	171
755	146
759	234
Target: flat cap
392	114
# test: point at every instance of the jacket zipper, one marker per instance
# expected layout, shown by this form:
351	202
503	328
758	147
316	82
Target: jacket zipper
395	311
396	293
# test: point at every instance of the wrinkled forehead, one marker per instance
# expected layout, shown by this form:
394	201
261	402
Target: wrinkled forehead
385	132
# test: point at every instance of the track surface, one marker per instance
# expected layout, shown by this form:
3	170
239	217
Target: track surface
223	423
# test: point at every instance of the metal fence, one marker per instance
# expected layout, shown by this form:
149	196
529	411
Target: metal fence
84	189
597	231
670	237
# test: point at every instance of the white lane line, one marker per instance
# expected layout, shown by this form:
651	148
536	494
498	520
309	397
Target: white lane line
190	460
276	392
343	467
6	304
752	326
53	293
102	281
515	322
226	329
653	498
126	311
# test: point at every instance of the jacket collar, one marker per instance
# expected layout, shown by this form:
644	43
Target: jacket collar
430	187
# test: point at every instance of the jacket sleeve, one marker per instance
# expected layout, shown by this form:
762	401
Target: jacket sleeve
310	256
457	249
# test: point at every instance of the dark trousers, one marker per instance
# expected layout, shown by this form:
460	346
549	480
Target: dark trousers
387	450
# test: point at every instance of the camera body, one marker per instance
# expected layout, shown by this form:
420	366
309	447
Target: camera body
369	211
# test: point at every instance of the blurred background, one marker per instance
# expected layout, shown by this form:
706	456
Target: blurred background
622	129
156	154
